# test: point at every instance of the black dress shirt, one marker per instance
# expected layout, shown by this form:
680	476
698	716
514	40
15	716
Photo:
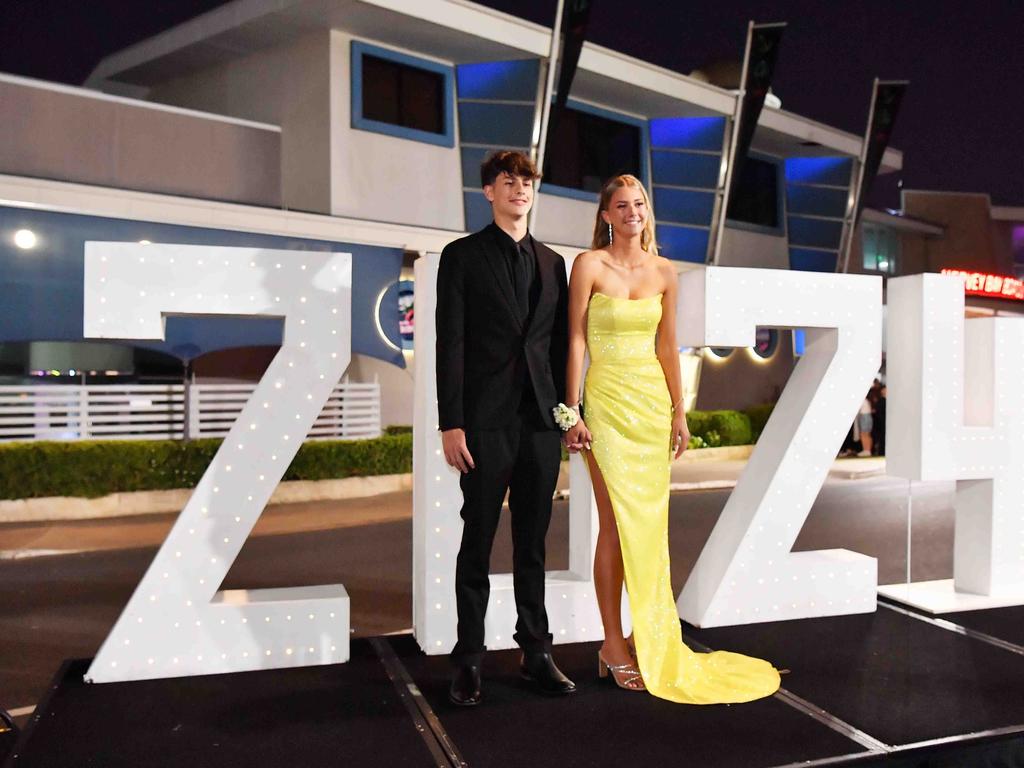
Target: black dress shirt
521	261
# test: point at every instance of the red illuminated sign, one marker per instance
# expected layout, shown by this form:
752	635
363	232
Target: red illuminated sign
996	286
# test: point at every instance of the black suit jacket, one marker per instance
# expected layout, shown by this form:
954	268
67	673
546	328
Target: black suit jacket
485	350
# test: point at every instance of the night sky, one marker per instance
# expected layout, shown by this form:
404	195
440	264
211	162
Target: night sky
961	127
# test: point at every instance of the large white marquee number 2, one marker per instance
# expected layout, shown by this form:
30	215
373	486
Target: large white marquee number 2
746	573
177	623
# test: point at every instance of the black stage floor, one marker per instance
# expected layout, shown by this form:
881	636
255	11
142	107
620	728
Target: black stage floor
891	688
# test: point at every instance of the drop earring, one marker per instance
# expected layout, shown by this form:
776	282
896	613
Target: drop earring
610	238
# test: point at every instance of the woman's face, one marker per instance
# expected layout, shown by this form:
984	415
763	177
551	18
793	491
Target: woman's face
627	212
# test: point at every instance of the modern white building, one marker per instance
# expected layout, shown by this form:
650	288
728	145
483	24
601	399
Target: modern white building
361	124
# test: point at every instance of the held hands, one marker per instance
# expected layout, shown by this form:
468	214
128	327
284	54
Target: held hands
680	434
456	453
577	438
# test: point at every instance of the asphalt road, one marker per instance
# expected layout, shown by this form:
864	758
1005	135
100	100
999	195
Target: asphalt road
62	606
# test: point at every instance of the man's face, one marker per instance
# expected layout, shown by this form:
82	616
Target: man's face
510	195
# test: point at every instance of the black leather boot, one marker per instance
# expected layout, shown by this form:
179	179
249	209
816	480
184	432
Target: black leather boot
465	688
539	668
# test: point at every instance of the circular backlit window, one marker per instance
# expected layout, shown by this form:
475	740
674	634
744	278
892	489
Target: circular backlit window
766	343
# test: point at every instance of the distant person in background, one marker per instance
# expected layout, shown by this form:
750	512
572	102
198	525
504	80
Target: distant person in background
865	422
878	432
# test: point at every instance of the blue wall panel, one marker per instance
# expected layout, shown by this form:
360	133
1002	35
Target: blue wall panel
682	243
834	171
685	169
816	201
691	157
485	119
42	290
478	210
812	261
505	80
508	125
703	133
818	233
471	158
683	206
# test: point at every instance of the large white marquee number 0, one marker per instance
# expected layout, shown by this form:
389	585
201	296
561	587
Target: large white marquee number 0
177	623
746	573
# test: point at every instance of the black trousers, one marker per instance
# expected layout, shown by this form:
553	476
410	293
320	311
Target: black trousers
522	458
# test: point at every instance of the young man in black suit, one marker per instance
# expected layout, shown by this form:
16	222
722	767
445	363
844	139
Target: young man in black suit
502	301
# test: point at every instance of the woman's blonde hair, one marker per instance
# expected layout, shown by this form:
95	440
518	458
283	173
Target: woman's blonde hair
601	239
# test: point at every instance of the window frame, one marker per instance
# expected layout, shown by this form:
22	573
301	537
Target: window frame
361	123
780	230
893	259
620	117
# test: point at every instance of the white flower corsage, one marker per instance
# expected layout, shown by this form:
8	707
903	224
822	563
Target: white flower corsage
565	417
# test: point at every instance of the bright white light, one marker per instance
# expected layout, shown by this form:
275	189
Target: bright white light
25	239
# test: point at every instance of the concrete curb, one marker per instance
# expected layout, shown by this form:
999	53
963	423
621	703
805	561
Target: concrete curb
724	453
162	502
58	508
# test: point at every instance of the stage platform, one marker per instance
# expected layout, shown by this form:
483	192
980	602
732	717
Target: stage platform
892	688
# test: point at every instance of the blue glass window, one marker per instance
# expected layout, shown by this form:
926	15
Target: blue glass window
590	145
402	96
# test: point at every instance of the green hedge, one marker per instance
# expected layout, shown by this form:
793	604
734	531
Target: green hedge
732	426
89	469
698	422
716	428
758	415
95	468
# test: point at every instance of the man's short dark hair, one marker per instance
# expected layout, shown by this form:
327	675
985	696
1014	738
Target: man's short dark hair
506	161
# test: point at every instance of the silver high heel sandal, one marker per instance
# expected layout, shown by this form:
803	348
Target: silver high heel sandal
626	676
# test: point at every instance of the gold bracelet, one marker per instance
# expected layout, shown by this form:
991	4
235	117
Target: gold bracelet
677	403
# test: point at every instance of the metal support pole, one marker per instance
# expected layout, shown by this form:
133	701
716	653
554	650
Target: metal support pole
843	262
722	202
545	106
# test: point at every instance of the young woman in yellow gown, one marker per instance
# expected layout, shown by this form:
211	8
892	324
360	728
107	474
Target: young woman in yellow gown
622	299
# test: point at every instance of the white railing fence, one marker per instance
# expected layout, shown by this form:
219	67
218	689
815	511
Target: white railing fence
351	412
157	411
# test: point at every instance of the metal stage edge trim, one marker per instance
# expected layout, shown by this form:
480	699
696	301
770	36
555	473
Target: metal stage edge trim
949	626
428	724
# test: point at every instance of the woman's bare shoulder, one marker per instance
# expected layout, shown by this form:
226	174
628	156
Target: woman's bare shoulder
588	261
664	264
590	256
666	268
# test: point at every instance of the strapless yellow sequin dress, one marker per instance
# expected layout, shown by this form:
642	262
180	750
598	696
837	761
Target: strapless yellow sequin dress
628	411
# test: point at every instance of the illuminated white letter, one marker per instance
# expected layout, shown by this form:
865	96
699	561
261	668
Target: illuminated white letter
956	412
177	623
746	572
